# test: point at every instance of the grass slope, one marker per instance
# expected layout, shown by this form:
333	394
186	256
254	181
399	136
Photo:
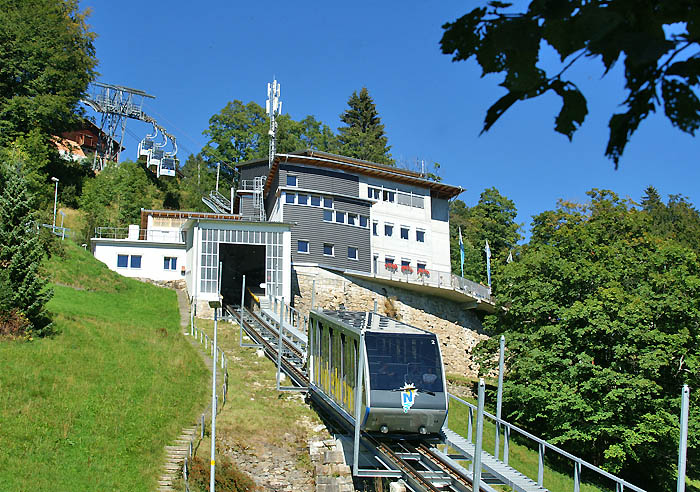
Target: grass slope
93	407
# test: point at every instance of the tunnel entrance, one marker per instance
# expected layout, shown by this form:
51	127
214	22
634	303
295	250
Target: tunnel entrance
238	260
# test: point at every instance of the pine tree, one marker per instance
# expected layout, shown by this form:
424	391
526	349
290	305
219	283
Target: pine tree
21	253
363	137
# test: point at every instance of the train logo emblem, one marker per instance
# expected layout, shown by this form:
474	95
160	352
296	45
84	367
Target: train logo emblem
408	397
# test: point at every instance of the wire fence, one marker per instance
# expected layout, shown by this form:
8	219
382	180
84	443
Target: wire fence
220	360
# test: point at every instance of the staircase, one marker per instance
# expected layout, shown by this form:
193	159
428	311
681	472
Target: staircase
217	202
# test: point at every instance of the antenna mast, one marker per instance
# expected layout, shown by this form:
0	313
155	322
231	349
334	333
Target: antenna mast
273	107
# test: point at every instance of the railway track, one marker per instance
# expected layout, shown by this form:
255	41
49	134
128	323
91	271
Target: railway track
422	467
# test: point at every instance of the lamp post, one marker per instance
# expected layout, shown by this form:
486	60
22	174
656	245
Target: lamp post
215	305
55	200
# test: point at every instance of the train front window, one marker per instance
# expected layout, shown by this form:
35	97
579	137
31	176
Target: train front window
397	359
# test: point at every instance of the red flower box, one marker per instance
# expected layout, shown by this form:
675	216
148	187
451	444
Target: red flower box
423	272
406	269
392	267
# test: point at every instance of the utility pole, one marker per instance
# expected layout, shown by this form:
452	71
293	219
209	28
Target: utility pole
55	200
273	107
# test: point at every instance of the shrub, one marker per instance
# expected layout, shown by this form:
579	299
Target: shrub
227	476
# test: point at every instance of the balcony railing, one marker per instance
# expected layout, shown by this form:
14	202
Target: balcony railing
134	233
434	278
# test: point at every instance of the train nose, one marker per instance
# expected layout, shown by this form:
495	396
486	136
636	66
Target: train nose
384	429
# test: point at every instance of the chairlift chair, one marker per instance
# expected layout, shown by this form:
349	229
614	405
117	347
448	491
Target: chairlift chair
167	164
147	144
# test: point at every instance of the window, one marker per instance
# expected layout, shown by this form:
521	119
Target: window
420	236
405	263
374	193
421	266
302	246
363	221
122	261
388	229
328	249
169	263
135	261
327	202
375	226
352	253
340	217
316	201
290	198
291	180
328	215
303	199
352	219
389	196
404	232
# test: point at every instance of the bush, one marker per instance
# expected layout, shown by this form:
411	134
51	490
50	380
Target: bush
13	325
227	476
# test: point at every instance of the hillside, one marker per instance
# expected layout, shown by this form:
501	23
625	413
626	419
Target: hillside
93	407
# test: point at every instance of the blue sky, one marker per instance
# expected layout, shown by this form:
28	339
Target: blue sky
196	57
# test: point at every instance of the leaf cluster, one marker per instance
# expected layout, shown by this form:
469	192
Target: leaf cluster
603	329
657	41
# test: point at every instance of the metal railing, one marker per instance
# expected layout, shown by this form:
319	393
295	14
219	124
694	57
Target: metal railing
62	232
543	446
433	278
156	235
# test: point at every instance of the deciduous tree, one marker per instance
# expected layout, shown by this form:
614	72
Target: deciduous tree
603	328
657	41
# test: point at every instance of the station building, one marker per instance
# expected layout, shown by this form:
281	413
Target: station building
306	211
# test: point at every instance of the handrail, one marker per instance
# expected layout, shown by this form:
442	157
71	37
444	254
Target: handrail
544	444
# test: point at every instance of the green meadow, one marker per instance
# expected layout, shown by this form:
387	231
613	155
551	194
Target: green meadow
92	407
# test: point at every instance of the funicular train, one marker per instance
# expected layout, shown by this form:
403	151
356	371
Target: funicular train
403	385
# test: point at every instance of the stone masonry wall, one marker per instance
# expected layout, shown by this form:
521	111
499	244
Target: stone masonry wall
457	328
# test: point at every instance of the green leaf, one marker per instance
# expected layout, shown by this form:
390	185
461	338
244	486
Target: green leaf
574	108
681	105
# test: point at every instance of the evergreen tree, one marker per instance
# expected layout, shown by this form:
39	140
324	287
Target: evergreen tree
363	137
21	252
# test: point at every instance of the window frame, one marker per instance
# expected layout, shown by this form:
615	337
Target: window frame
332	253
308	246
295	177
339	214
328	211
287	196
126	260
407	229
131	261
357	253
420	231
390	228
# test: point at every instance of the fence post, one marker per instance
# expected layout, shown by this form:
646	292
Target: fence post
506	443
577	476
499	397
476	483
683	440
313	294
202	425
279	344
240	337
469	424
540	465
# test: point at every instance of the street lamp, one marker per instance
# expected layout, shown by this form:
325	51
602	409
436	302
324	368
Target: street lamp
55	200
216	305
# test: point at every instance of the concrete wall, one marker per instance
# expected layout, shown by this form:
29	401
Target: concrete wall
458	330
152	256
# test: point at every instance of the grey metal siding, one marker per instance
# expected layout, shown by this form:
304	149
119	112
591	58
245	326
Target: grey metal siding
345	205
439	209
321	180
312	228
254	170
247	205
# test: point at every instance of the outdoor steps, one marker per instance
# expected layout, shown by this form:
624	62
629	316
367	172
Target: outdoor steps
506	474
175	457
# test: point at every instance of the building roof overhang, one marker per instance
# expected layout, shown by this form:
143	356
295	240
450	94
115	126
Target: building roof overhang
358	166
